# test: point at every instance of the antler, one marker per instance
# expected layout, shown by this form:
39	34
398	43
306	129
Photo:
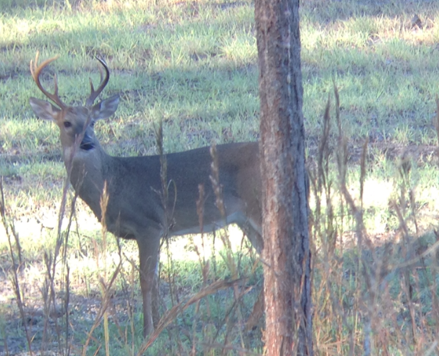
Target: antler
36	71
94	94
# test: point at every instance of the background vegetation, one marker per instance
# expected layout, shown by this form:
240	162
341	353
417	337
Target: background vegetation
194	65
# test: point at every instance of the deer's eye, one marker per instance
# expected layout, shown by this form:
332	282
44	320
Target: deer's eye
67	124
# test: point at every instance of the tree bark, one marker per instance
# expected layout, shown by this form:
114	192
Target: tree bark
286	255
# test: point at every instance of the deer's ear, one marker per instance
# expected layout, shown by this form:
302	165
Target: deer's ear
43	109
105	108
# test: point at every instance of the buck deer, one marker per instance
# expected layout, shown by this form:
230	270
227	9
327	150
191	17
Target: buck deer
135	208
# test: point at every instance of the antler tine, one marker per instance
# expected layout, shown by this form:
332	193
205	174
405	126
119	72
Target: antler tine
36	70
101	78
94	94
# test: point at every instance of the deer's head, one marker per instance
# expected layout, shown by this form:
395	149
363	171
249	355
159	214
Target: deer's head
75	122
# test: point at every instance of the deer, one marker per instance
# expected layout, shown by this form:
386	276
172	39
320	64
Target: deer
135	210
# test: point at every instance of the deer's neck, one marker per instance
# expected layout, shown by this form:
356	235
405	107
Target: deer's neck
87	170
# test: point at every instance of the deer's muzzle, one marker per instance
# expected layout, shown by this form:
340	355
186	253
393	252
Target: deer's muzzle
87	143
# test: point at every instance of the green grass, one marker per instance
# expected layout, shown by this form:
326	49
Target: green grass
194	65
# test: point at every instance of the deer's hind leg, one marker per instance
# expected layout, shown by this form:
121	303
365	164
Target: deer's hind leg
253	233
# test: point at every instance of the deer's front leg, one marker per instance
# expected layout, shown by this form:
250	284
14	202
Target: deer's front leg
149	258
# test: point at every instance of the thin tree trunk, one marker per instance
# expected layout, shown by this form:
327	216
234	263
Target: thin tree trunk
286	252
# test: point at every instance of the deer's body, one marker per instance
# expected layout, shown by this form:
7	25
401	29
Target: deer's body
136	208
134	190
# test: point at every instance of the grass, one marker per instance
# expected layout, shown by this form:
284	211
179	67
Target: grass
194	65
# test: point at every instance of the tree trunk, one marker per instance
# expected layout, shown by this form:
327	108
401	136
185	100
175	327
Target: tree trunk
286	252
